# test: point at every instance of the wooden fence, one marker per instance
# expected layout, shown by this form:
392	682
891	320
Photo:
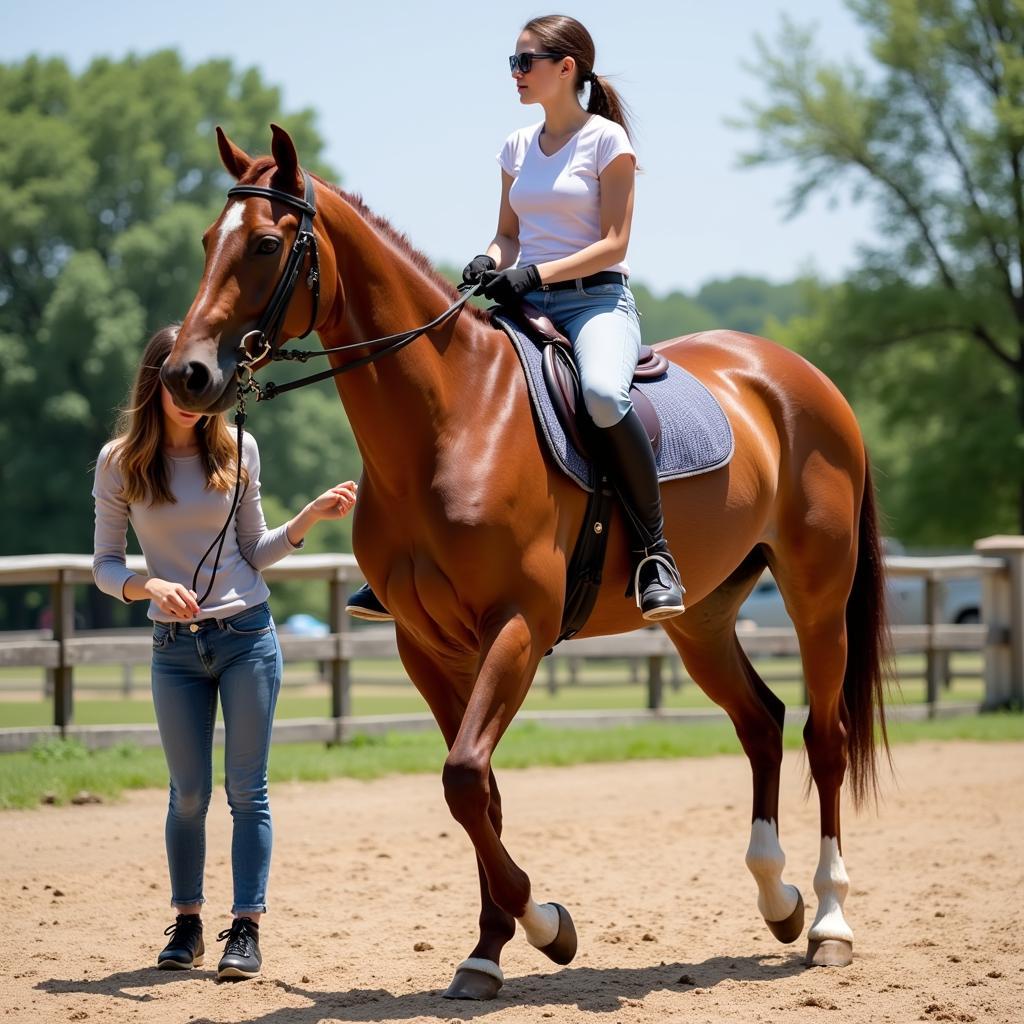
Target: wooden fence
1000	636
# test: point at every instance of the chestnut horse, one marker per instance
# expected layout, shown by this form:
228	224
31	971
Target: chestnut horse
464	528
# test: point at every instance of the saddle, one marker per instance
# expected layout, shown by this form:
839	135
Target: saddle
563	380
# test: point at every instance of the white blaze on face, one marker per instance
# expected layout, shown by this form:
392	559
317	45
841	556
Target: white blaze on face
229	224
766	860
831	883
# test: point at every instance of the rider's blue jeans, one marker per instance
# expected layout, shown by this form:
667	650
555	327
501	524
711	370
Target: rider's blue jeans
603	325
239	658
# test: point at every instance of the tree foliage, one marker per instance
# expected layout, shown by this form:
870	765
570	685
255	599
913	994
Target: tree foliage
929	331
107	180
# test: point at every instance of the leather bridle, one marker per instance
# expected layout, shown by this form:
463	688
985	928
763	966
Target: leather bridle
268	330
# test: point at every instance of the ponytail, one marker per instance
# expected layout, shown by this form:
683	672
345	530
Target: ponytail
606	101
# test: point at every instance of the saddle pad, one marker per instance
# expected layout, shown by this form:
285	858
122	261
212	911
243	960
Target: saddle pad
695	433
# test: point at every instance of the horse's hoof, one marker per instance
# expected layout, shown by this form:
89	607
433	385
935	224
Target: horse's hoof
475	979
829	953
563	948
789	929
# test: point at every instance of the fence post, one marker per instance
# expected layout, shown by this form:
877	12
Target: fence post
654	682
551	670
341	667
934	666
62	603
1002	611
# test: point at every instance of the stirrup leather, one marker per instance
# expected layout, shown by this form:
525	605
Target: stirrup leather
665	561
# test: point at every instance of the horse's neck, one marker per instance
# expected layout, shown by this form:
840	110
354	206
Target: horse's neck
401	406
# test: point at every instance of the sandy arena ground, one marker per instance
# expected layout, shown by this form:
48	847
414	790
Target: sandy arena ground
374	901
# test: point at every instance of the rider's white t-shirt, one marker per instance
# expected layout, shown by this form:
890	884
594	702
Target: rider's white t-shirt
557	198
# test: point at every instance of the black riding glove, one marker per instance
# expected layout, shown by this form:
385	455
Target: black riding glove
476	268
507	287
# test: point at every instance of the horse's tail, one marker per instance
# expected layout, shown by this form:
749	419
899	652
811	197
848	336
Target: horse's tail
869	653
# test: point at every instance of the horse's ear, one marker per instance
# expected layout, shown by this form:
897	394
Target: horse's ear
236	160
287	176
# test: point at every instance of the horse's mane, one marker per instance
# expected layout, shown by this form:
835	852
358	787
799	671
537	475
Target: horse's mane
383	227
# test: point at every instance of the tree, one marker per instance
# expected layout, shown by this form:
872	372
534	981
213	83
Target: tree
107	181
930	329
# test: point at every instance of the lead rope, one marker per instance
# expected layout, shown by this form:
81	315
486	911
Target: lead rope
218	541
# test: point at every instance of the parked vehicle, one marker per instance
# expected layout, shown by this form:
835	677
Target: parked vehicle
961	599
304	624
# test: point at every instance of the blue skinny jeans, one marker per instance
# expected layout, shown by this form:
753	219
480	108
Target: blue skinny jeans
238	657
603	325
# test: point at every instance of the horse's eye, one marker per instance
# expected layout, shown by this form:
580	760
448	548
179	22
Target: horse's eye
268	245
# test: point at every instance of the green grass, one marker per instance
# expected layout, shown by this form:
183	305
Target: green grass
380	689
62	769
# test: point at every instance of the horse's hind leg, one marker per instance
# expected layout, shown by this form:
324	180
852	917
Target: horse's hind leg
815	577
706	640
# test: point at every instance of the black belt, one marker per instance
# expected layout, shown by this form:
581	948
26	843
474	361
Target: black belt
601	277
197	625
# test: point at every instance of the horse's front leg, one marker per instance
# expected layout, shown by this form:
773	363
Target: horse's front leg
508	663
446	691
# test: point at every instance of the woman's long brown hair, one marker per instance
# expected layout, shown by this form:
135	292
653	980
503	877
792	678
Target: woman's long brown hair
139	435
558	33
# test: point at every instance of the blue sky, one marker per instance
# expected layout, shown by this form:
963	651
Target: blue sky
414	100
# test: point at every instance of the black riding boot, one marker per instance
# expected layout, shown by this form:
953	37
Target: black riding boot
631	465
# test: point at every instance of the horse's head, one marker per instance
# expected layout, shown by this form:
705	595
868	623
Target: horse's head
247	252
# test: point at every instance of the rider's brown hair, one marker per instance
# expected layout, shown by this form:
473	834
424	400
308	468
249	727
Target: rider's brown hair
558	33
139	436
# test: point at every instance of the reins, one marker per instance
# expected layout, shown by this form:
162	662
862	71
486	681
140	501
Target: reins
268	330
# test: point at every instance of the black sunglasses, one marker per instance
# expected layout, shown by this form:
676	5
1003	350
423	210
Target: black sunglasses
524	61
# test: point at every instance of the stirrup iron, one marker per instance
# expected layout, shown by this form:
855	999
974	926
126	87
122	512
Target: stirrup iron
665	560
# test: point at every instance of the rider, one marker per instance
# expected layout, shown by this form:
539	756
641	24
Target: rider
563	229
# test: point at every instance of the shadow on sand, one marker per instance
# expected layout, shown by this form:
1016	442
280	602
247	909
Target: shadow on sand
599	990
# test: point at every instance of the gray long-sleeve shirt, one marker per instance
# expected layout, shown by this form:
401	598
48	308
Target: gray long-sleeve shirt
173	537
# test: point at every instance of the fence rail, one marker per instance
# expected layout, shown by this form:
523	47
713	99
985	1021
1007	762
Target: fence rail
999	636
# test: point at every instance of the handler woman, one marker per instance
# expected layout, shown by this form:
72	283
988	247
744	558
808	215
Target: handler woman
567	187
171	474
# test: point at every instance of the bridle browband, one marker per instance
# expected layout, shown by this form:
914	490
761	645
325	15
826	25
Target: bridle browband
268	331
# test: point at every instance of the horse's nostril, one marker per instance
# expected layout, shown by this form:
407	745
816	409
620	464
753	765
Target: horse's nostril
197	377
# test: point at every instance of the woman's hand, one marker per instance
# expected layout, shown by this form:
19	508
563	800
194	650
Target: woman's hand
335	503
173	599
507	287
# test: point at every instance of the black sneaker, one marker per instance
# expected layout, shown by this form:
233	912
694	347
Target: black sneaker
185	950
364	604
241	957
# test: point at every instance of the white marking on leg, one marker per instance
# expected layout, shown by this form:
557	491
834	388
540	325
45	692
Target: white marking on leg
540	922
477	963
831	883
766	860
